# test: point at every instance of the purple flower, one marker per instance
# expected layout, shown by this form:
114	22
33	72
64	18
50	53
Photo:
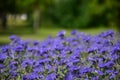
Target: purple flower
101	65
114	57
116	49
74	32
99	72
14	38
85	70
13	65
13	74
1	66
61	33
109	64
38	69
112	76
19	48
51	76
68	76
3	56
74	68
109	71
30	49
109	33
35	43
31	76
92	49
44	60
27	62
95	78
62	57
87	38
48	67
5	48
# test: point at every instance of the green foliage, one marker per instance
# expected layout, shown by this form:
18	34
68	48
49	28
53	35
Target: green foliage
83	13
68	13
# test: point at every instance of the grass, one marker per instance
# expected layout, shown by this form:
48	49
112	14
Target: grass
22	29
43	32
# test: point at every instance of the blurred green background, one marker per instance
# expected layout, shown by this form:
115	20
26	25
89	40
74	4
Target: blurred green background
37	19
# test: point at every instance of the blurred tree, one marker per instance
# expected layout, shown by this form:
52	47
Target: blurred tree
112	12
85	13
34	8
66	13
6	6
78	13
117	5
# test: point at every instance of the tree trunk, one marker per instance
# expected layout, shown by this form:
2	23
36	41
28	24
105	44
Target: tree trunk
4	20
118	15
118	20
36	19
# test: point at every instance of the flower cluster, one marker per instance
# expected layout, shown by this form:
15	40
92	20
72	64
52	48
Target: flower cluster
79	56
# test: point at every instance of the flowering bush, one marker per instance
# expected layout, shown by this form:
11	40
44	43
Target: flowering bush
77	57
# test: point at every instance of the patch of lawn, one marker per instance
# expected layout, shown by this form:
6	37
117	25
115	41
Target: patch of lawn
42	33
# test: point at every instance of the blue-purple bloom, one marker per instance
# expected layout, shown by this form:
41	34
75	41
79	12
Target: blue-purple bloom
61	33
31	76
3	56
77	57
19	48
1	66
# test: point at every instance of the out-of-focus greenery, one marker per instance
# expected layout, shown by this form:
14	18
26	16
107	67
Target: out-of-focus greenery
22	29
50	16
85	13
67	13
25	33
